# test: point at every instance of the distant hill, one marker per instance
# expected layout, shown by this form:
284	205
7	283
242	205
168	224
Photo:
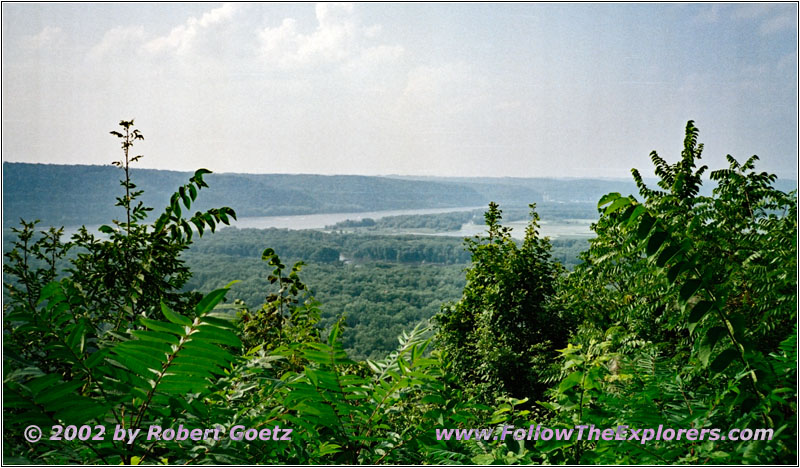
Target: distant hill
75	194
71	195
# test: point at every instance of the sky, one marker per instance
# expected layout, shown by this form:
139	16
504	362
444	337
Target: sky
445	89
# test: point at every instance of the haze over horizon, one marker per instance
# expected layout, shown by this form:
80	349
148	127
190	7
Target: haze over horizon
452	90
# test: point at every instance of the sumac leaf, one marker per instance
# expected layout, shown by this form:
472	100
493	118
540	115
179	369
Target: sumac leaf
210	301
174	317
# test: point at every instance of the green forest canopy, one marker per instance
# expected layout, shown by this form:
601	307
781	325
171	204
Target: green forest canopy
682	313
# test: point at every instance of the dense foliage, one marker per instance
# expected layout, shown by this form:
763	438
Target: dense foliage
503	333
682	314
690	310
384	285
378	300
322	247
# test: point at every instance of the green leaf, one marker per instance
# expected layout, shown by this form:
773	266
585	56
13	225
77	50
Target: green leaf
699	311
216	335
207	350
189	361
155	336
334	334
618	204
160	222
136	366
163	326
157	348
738	325
675	270
690	288
318	357
174	317
570	381
724	359
210	301
147	358
199	223
77	336
96	358
58	391
52	288
106	229
188	367
176	208
327	448
655	241
645	225
180	384
637	211
219	322
666	254
80	410
549	446
40	383
185	198
710	339
608	198
210	221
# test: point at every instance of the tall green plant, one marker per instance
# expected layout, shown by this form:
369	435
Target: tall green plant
699	291
504	331
86	347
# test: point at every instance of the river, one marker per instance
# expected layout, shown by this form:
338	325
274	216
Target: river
319	221
554	229
312	221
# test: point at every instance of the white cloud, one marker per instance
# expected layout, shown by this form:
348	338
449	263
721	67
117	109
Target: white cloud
48	37
708	14
120	41
426	82
443	94
373	31
337	39
770	18
183	38
751	10
372	57
767	18
778	23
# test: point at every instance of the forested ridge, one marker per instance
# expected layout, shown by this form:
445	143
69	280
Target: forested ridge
85	194
681	312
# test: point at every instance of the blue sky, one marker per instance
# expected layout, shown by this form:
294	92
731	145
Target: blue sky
529	90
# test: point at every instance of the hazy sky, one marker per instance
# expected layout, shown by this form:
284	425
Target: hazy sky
424	89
